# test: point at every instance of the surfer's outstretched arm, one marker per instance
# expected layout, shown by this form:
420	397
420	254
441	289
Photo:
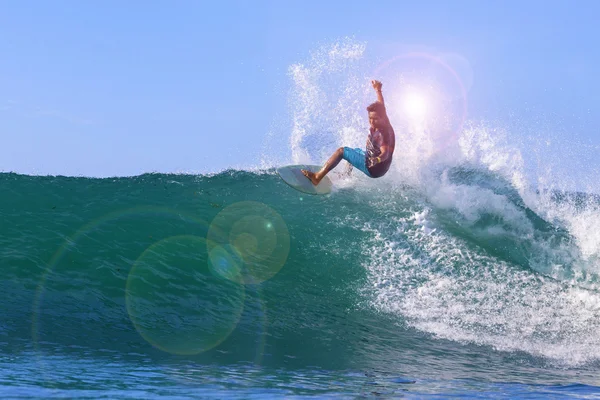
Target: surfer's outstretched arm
377	86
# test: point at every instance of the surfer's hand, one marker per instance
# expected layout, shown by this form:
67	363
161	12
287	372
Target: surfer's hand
376	85
372	161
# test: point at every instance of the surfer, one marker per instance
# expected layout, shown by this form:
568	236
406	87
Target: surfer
380	145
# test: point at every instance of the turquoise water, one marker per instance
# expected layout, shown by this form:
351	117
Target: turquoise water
467	271
235	285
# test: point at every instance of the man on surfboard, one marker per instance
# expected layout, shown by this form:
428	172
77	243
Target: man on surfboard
380	145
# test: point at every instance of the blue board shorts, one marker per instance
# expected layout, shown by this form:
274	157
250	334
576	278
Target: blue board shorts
357	158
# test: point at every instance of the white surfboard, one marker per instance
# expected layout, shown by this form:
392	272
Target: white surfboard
292	175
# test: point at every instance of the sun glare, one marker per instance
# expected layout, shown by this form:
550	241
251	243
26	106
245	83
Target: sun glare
415	105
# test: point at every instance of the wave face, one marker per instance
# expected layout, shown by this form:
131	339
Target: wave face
461	259
239	267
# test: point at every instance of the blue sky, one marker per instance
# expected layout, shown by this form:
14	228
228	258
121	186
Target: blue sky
123	87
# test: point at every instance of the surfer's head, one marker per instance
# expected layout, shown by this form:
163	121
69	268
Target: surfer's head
377	116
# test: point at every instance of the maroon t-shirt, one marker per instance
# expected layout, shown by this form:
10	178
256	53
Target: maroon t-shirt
376	139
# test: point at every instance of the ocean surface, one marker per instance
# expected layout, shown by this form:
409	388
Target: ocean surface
470	270
235	285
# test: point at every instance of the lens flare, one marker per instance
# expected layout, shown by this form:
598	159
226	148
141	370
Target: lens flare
415	105
252	235
442	106
71	243
176	303
58	264
225	261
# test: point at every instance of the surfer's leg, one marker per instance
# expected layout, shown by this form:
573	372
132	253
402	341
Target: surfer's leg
357	158
334	160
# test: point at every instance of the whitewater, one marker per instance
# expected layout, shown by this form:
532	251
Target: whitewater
470	269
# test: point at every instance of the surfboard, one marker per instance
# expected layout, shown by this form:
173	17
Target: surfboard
292	175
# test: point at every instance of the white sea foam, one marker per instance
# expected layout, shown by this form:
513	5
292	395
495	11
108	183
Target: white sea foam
437	280
439	285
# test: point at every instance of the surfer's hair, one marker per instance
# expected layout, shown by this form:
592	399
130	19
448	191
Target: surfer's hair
376	107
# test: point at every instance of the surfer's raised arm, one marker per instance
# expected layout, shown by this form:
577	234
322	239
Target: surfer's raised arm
377	86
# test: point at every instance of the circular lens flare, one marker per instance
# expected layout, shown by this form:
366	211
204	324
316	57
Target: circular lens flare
251	234
415	105
57	264
175	301
443	106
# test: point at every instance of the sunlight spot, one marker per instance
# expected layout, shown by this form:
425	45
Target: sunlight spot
415	105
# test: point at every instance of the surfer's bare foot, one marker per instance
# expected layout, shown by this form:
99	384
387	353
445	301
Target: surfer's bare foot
312	176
